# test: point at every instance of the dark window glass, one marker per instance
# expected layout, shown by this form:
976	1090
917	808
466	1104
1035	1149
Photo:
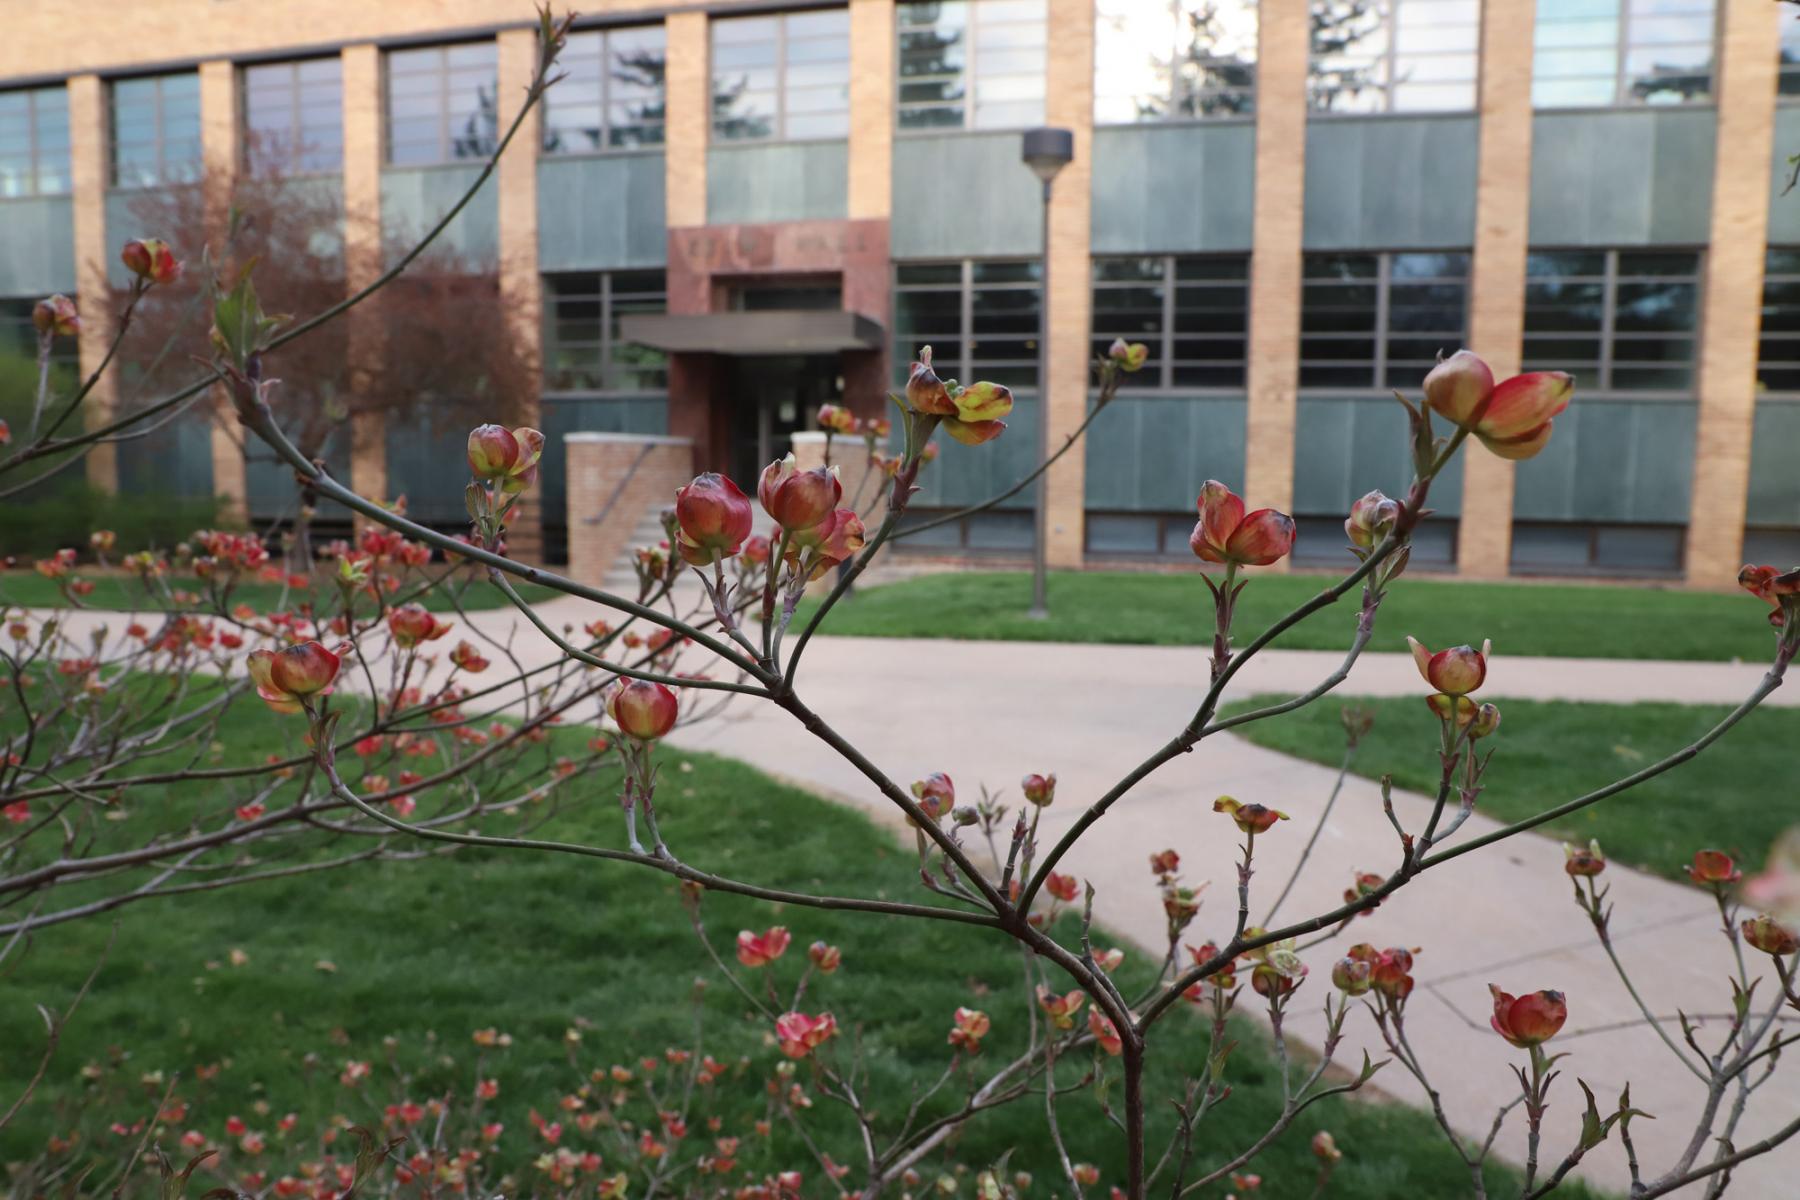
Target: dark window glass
1191	312
1618	320
156	130
1160	60
975	64
294	116
1778	352
979	318
34	142
441	104
1379	320
1542	547
611	96
582	347
785	76
1394	55
1789	50
1598	53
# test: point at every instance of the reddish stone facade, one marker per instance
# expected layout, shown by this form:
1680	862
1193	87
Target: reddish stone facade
707	262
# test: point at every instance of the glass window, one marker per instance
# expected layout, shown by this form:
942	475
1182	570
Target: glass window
34	142
582	349
1627	550
294	116
1596	53
1379	320
1778	353
980	318
785	76
441	104
1618	320
1394	55
972	64
1192	312
156	130
611	95
1158	60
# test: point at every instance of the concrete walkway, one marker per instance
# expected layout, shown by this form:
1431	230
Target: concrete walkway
990	712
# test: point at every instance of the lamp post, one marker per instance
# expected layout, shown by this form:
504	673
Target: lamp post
1046	151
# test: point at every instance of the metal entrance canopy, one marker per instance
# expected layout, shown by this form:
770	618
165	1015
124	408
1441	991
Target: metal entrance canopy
774	331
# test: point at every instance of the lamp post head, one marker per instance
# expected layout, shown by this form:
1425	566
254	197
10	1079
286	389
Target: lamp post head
1047	150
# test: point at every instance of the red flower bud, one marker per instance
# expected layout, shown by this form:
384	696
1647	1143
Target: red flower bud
1250	818
925	392
713	515
1225	534
1456	671
1370	520
1579	861
825	957
1486	720
1353	976
1165	862
1528	1020
1063	887
151	260
56	316
1127	357
1773	585
1460	387
798	500
756	550
1324	1147
1767	934
468	658
969	1026
836	419
411	624
759	951
1039	789
1106	1034
935	794
1060	1009
1713	866
1518	419
800	1034
642	709
284	676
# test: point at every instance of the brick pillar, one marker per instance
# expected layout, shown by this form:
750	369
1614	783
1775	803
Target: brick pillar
90	174
1064	396
220	138
1730	307
614	479
872	98
688	86
363	260
1283	50
1497	284
521	287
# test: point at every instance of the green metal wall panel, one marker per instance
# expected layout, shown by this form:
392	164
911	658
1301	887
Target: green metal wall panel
1774	481
960	195
1390	182
424	464
414	198
37	246
1631	177
1630	461
1784	210
270	493
643	413
1172	189
1346	445
1152	453
753	182
965	475
601	212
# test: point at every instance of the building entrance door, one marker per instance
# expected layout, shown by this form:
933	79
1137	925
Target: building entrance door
771	399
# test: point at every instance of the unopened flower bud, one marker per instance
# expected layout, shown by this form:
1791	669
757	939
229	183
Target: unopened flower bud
1352	976
1528	1020
1128	357
1487	719
1456	671
1039	789
643	709
1578	860
1713	866
56	316
1767	934
1250	818
798	500
1324	1147
1371	518
151	260
966	815
714	516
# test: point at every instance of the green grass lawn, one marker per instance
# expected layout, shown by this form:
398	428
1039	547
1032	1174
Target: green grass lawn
1550	751
534	945
1176	609
118	591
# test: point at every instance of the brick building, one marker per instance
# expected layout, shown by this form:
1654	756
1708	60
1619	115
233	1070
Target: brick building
729	213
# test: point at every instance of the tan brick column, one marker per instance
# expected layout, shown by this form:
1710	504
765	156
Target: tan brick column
687	81
1069	104
1283	51
220	139
1497	280
1730	307
90	174
872	100
521	287
363	258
